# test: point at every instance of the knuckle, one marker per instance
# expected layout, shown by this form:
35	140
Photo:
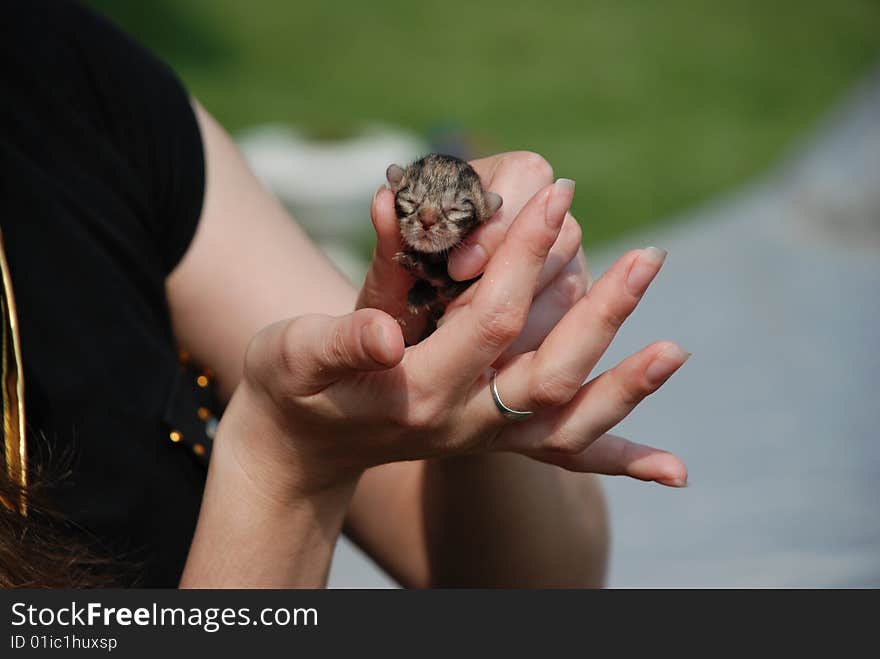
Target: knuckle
500	326
552	391
416	421
290	357
565	442
610	317
571	234
422	417
568	289
630	394
537	249
337	349
534	163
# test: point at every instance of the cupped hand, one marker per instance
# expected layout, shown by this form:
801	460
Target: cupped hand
516	176
348	395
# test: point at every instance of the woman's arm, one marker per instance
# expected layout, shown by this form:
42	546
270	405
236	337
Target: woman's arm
257	528
490	520
250	265
322	398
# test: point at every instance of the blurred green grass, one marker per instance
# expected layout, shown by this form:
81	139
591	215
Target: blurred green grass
651	106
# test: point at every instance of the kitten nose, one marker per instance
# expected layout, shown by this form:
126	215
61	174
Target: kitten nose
428	217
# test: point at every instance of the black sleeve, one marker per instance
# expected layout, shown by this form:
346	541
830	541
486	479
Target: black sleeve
146	113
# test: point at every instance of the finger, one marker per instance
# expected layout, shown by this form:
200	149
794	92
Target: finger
388	241
588	275
314	351
599	405
566	249
548	308
615	456
572	349
386	284
481	332
516	176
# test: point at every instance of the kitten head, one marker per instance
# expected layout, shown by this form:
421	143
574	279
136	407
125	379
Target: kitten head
438	200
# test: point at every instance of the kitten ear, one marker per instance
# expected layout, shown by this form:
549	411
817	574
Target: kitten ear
394	174
493	203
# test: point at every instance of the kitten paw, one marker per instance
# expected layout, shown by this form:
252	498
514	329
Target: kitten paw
452	289
408	262
421	296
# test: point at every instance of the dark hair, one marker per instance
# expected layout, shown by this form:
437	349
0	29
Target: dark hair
41	549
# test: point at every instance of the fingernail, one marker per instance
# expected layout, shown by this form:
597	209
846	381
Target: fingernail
674	482
560	200
376	343
645	269
564	184
467	262
667	362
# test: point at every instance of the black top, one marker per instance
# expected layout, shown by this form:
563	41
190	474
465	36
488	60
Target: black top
101	185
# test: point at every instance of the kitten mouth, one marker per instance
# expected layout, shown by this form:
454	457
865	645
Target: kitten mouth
428	243
428	246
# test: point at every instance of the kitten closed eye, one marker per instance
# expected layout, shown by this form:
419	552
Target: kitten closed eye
403	207
460	215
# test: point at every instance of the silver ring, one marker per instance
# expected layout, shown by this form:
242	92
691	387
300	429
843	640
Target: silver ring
506	411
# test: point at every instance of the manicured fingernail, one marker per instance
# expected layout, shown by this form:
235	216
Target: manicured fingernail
667	362
468	262
560	199
375	343
644	270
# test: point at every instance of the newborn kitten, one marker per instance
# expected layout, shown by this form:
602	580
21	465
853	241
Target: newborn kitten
438	200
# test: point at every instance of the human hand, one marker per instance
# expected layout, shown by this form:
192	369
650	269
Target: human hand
564	280
516	176
346	395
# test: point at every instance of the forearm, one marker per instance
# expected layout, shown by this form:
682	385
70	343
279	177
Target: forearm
502	520
255	528
482	520
249	265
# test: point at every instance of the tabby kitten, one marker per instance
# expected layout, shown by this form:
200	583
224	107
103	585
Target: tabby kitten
438	200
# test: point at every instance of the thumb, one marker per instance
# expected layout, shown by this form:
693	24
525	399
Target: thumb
315	351
384	219
387	284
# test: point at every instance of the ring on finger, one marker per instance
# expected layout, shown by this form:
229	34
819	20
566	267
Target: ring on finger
508	412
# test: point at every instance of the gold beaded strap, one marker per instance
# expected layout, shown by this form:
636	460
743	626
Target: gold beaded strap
13	442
